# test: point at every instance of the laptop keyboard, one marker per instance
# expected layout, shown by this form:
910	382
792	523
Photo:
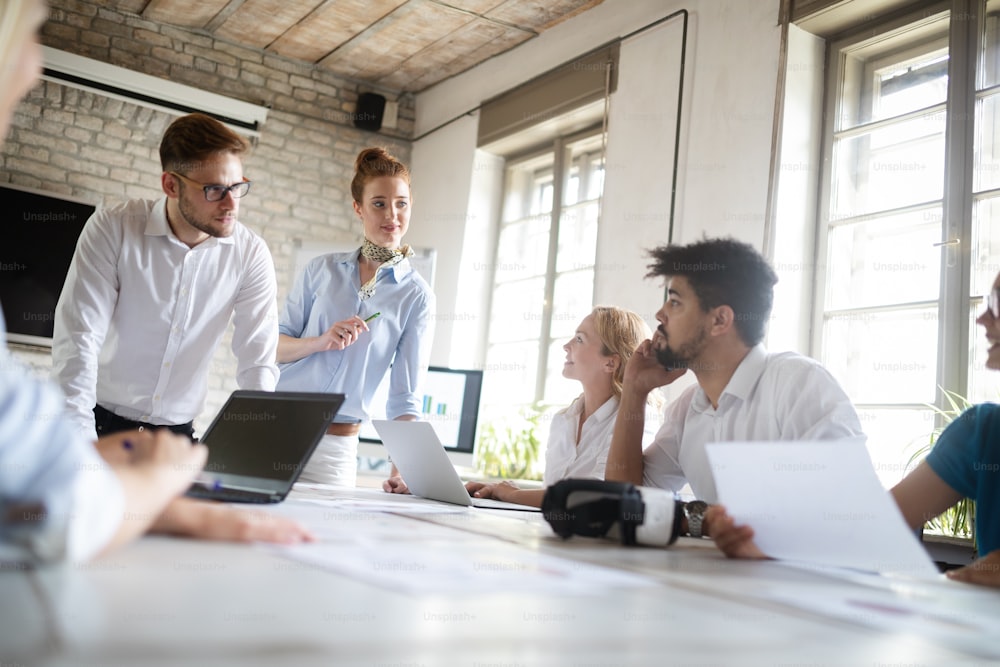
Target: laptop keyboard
231	495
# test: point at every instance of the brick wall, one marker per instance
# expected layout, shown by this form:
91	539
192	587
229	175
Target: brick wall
104	150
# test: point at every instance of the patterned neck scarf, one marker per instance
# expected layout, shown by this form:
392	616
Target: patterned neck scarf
386	257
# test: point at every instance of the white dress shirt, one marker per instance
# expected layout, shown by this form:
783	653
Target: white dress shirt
564	457
141	313
780	396
46	462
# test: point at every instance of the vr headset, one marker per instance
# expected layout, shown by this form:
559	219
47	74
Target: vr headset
597	508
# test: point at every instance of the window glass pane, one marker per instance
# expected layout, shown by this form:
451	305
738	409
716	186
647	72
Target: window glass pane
571	195
559	390
542	200
523	274
987	167
573	300
989	70
889	167
884	261
577	237
894	73
595	187
517	311
509	373
984	383
910	85
523	249
528	188
894	437
884	357
985	244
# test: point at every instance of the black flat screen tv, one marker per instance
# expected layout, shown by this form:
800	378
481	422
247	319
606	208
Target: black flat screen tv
40	231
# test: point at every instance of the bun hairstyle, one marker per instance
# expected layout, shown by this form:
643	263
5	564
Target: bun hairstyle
374	163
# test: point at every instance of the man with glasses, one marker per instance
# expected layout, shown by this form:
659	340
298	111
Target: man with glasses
153	285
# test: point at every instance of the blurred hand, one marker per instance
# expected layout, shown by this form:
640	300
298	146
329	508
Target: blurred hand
216	521
984	571
169	457
497	491
734	541
475	487
395	484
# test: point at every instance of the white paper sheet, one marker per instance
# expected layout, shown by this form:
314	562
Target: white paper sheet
359	537
817	502
453	568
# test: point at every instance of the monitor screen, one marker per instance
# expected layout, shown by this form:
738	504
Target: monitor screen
450	404
40	231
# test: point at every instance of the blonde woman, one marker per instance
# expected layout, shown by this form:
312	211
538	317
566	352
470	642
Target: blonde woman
580	434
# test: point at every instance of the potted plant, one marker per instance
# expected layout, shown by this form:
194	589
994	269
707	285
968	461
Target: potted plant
957	521
509	446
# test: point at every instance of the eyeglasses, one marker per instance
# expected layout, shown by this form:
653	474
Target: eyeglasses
219	192
993	303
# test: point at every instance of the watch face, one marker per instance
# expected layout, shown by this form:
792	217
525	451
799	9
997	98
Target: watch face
694	511
696	506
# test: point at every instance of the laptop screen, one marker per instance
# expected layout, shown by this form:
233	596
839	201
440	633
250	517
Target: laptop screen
267	435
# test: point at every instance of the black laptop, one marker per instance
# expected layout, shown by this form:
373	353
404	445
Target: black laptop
259	443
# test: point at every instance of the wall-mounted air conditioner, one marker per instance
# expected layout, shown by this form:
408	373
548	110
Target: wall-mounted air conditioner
112	81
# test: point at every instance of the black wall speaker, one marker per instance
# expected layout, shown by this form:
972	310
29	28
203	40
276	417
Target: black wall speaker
368	113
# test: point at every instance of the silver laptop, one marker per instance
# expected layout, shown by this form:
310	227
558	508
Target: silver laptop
259	443
420	457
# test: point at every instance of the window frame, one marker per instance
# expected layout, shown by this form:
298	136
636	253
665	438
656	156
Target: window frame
957	295
562	164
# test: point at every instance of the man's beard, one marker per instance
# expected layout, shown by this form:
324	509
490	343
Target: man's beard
681	359
208	226
670	360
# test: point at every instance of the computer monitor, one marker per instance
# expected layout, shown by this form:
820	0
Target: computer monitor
40	231
450	404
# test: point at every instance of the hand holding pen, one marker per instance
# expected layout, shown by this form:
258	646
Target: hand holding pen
346	332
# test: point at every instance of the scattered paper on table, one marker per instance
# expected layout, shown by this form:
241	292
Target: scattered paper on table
463	568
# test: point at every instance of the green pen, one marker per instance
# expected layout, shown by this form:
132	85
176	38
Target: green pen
372	317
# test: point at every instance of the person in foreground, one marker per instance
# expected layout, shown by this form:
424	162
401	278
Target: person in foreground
964	463
719	298
59	500
351	315
580	434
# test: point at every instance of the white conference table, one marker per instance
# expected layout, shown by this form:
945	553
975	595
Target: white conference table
392	583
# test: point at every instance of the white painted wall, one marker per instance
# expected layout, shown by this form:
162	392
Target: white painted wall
441	187
729	93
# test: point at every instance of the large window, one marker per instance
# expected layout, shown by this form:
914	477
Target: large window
910	209
544	269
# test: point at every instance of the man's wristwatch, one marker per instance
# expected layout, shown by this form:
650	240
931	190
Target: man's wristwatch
694	511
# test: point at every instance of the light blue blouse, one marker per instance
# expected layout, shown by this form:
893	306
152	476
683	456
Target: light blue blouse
327	292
